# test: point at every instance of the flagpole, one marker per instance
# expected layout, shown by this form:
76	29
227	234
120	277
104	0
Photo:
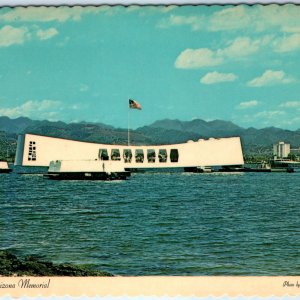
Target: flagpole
128	127
132	104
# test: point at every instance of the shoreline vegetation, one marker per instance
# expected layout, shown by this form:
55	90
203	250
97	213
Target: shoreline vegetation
11	265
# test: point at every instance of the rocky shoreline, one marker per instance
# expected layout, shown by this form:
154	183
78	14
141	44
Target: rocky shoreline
11	265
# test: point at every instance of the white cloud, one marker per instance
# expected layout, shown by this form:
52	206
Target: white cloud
269	114
290	104
230	18
32	108
287	43
196	22
197	58
258	18
227	19
48	14
46	34
284	17
204	57
247	104
270	78
216	77
10	35
244	46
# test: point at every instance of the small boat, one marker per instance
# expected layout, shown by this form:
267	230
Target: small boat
288	169
283	164
4	168
263	167
86	170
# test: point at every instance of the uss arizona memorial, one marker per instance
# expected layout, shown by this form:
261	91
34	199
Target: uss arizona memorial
64	156
37	150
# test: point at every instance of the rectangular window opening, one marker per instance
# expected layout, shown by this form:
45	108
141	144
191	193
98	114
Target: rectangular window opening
162	155
139	156
115	154
151	155
103	154
174	155
127	155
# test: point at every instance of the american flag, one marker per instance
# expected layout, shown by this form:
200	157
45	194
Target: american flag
134	104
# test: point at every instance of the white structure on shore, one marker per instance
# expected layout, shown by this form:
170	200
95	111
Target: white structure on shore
281	150
36	150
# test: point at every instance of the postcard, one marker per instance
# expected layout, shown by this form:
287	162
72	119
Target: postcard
150	150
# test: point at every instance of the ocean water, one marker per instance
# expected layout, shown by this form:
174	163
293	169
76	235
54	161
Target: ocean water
157	223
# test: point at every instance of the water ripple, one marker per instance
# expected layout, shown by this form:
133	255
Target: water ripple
157	224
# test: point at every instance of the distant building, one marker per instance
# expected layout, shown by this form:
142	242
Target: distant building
281	150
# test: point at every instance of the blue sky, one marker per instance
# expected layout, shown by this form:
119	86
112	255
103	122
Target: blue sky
236	63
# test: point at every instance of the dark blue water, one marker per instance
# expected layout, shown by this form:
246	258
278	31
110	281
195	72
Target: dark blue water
157	223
